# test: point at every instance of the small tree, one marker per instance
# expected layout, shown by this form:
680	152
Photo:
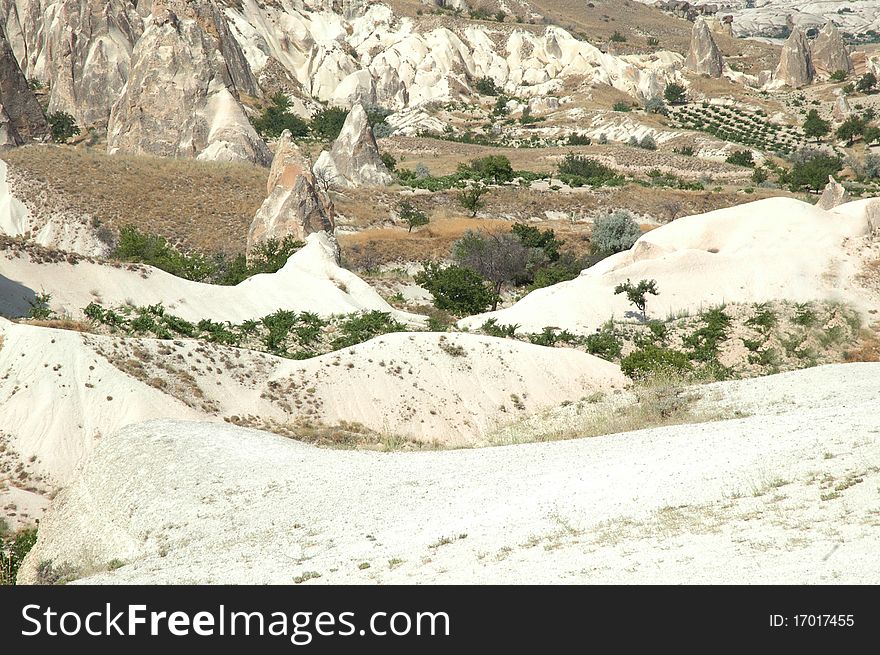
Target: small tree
636	293
614	232
851	129
656	105
471	198
486	86
276	118
412	215
499	258
325	177
620	105
617	37
455	289
867	83
838	76
675	94
648	143
63	126
328	123
496	168
815	127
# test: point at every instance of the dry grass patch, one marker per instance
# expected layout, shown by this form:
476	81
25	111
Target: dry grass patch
196	205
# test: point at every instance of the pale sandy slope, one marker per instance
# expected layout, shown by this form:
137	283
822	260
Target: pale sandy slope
310	281
61	392
735	501
772	249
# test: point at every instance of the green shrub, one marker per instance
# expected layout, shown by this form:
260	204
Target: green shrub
653	360
456	289
741	158
39	306
486	86
621	106
364	327
13	550
614	232
604	343
277	117
617	37
675	94
412	215
327	123
578	170
637	293
63	126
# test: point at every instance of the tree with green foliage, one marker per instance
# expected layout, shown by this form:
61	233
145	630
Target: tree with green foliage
621	106
455	289
277	117
412	215
486	86
811	173
544	240
815	127
851	129
578	170
471	198
871	134
63	126
675	94
655	105
495	168
614	232
838	76
327	123
499	258
637	293
151	249
867	83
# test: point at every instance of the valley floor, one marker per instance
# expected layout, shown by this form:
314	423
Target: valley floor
788	494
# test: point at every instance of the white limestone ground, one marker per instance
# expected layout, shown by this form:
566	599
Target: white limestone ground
772	249
786	495
62	392
310	281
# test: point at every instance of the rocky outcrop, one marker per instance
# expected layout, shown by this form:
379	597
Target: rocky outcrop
182	96
704	57
296	204
354	159
829	52
833	195
795	63
80	48
21	117
841	109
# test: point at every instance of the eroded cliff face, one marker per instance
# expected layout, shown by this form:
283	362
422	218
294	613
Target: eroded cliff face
829	52
80	48
796	63
182	95
21	117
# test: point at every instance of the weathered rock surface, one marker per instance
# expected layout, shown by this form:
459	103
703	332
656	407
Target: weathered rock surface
182	97
795	63
829	52
704	57
21	117
296	205
354	159
80	48
833	195
841	108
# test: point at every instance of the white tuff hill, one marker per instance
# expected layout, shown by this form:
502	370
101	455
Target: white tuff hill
772	249
760	499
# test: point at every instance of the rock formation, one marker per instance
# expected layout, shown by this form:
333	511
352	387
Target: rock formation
296	205
80	48
21	117
704	57
833	195
841	109
182	96
354	159
795	63
829	52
